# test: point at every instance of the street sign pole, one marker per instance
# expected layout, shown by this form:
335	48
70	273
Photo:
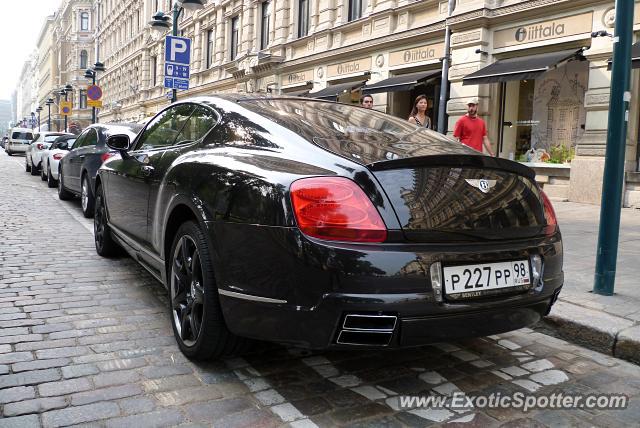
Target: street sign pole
607	252
174	32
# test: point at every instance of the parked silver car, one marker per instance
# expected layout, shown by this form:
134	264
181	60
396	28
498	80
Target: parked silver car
33	155
19	140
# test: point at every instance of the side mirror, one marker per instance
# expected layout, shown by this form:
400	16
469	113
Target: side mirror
119	142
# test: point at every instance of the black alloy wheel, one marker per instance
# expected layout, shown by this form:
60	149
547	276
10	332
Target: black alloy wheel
105	245
51	183
196	316
63	194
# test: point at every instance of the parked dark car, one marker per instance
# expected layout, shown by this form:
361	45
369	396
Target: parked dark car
77	170
325	225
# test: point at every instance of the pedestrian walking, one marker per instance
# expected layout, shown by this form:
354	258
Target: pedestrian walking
366	101
419	112
471	130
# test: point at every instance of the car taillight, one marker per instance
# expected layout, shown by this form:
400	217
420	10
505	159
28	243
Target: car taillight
58	156
335	208
106	156
549	214
40	146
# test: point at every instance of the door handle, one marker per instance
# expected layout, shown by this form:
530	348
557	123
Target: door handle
147	170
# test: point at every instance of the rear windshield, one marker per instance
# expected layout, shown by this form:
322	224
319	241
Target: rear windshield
22	136
50	138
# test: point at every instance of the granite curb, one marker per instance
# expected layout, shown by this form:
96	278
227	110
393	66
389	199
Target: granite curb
597	330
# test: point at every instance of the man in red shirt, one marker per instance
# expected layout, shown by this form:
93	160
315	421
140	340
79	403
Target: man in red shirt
471	130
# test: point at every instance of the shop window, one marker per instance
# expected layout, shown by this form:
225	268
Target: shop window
303	18
544	115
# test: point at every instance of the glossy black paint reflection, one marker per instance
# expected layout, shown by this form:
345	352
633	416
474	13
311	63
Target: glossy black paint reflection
234	181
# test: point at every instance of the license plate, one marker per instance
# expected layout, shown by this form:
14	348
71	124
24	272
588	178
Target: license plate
476	280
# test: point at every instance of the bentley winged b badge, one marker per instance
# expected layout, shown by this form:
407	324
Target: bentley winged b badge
481	184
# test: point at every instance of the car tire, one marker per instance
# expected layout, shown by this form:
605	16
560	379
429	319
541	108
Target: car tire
34	169
105	245
27	168
63	193
88	201
43	176
51	183
196	315
9	153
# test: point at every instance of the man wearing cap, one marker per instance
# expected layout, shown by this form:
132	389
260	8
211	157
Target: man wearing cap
471	130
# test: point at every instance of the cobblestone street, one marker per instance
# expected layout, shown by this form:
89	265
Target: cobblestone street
88	340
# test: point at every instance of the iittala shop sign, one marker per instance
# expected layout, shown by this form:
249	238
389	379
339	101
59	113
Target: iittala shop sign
546	30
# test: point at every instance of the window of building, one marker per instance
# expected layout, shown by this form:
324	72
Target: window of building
235	36
154	71
84	21
357	9
131	26
84	59
264	24
303	18
157	5
210	42
83	98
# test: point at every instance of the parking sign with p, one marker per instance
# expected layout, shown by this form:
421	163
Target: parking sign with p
177	56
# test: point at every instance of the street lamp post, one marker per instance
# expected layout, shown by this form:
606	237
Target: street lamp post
48	103
160	22
33	119
39	109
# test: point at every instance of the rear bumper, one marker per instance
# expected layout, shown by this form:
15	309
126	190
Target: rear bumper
17	148
283	287
324	326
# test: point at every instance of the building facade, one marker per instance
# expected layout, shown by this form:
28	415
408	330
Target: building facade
392	49
27	91
48	73
5	117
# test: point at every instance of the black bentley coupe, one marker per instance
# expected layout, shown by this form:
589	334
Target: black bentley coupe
325	225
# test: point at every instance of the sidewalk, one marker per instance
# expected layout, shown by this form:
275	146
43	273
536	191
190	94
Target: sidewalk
607	324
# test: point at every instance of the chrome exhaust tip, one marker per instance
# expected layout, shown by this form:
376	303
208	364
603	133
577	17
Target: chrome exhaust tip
367	330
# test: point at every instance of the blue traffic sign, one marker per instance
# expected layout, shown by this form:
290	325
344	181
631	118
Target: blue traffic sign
176	83
176	70
177	55
177	50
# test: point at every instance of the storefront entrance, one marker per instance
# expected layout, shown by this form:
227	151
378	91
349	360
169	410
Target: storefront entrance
402	90
542	113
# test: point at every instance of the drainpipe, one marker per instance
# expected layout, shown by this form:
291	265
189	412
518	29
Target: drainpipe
446	62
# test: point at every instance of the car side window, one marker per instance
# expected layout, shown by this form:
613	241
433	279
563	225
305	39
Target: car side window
90	139
164	128
200	122
79	140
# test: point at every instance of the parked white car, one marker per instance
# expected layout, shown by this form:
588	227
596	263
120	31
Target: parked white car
19	139
33	155
51	158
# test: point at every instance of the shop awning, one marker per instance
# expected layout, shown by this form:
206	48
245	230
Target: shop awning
635	57
300	93
333	91
521	68
404	82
